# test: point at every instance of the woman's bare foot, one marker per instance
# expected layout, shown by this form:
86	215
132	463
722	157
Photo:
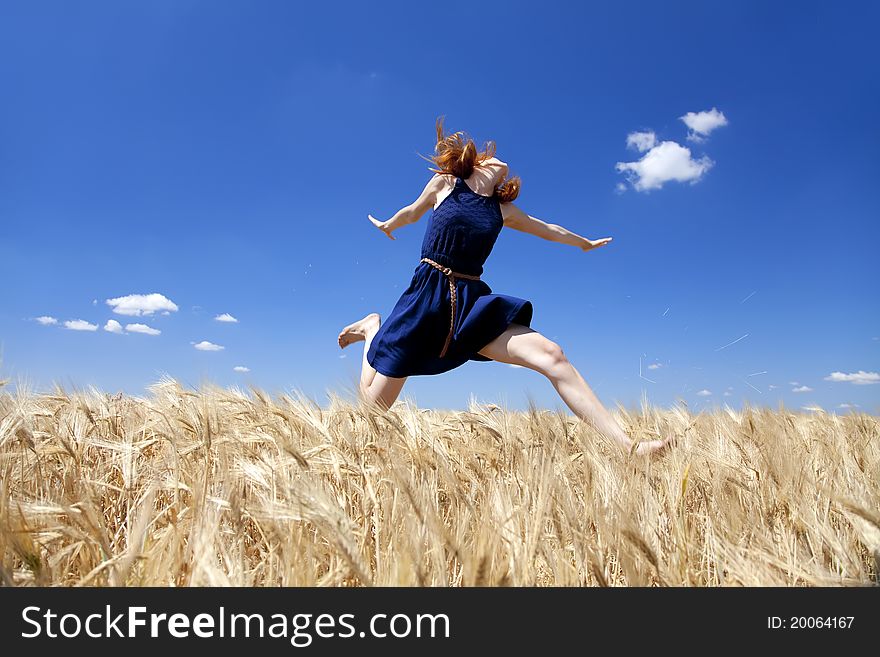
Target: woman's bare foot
652	446
359	330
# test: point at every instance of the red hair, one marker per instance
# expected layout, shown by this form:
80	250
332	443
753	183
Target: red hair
457	154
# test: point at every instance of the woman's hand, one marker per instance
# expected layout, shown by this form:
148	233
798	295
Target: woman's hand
595	244
381	225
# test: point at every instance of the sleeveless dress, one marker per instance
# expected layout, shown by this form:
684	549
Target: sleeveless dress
460	235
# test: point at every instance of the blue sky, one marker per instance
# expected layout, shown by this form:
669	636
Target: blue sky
225	155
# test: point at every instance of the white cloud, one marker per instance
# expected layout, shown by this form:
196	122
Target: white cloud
655	366
241	368
112	326
814	408
141	304
702	123
641	141
204	345
772	387
727	393
142	328
80	325
664	162
704	393
845	405
45	320
802	389
793	383
226	317
620	188
860	378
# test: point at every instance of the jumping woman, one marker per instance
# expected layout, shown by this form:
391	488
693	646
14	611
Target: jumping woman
448	315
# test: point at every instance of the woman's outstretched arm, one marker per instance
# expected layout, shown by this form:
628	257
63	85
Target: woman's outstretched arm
414	211
519	220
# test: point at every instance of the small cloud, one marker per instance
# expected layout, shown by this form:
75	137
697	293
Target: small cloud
793	383
845	405
802	389
641	141
727	393
814	408
45	320
94	302
702	123
772	387
860	378
619	188
241	368
343	355
80	325
655	366
667	161
204	345
112	326
141	304
226	317
142	328
704	393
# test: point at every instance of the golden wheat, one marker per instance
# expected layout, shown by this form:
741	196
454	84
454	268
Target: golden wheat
225	487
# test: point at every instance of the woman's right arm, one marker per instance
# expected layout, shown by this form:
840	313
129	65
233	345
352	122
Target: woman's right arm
413	212
518	220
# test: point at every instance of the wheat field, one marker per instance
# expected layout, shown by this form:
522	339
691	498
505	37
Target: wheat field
234	487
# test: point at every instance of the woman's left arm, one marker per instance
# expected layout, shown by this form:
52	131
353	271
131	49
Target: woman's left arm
518	220
412	212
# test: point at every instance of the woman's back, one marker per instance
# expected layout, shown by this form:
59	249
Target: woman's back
462	229
483	181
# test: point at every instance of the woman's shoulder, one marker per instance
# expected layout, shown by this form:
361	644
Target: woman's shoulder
443	185
499	167
442	182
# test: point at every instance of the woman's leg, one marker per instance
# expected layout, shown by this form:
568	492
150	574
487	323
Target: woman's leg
374	387
521	345
383	390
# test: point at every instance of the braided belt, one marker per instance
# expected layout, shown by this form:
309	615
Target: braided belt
450	276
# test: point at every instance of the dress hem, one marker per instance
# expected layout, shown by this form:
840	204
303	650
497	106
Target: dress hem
525	309
523	312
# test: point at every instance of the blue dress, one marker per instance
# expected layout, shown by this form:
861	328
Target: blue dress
460	235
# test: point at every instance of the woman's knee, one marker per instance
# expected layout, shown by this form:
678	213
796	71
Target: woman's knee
373	399
383	391
552	358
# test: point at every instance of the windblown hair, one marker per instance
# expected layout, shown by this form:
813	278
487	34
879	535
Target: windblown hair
457	154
